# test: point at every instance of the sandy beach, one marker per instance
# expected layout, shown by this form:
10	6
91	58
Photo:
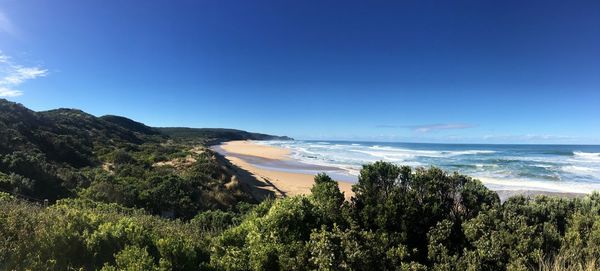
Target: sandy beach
279	182
273	176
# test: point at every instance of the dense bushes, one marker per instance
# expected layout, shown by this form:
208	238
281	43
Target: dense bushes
52	148
398	219
83	234
65	152
165	189
424	219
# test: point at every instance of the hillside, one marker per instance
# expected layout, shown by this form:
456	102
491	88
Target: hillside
42	152
216	135
66	152
130	125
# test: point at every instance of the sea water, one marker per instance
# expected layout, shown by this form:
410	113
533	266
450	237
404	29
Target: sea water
560	168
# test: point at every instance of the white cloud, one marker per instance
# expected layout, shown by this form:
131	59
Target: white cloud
21	74
6	26
6	92
13	75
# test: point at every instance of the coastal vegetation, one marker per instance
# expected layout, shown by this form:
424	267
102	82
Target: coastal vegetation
125	196
68	153
399	219
215	135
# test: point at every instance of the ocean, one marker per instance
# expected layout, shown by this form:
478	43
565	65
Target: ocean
557	168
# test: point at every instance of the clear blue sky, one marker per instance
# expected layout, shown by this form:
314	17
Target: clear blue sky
442	71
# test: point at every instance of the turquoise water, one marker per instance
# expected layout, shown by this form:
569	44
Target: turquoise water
562	168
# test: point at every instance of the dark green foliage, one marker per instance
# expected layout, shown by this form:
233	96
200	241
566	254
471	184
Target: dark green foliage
273	240
424	219
131	125
132	258
51	147
76	234
16	184
328	199
163	190
405	203
385	227
64	152
216	135
120	157
214	221
401	219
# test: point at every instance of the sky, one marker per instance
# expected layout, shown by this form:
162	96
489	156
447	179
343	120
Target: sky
476	71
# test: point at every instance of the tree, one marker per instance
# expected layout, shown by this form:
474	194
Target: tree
132	258
398	200
327	198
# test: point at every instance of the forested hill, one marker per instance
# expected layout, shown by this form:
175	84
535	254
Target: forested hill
215	135
41	152
63	135
130	124
67	152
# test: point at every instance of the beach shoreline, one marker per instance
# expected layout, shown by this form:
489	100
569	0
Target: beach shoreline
272	173
284	176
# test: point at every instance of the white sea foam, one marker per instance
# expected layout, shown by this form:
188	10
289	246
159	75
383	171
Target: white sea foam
589	156
410	153
581	170
586	154
501	168
543	185
389	155
304	150
469	152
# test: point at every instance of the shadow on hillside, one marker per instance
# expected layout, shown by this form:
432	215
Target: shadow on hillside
259	189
